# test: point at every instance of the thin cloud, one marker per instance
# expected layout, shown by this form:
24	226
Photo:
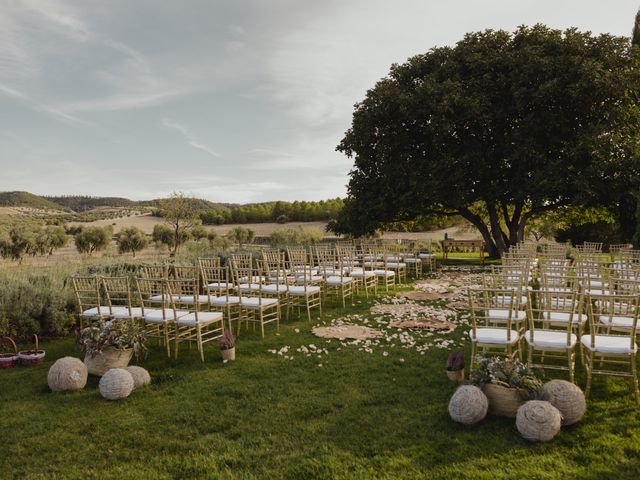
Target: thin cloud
191	139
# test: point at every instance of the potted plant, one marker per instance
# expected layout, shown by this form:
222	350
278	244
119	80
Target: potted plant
227	346
9	359
111	344
31	357
507	383
455	366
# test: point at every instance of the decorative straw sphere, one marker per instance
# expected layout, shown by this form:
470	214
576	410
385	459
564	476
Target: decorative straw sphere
140	376
538	421
568	398
67	373
468	405
117	383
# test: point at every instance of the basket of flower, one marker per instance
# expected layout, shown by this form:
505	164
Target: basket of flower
10	358
31	357
110	344
507	383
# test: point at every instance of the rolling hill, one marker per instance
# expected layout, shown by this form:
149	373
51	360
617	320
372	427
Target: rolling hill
26	199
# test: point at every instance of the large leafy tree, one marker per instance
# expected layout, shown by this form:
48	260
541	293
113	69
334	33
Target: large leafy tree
179	214
499	129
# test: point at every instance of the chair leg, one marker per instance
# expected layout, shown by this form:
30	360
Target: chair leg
572	363
588	366
262	323
634	376
200	346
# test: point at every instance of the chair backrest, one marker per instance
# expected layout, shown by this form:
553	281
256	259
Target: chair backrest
492	307
87	292
155	271
553	310
117	292
610	306
153	293
183	294
213	275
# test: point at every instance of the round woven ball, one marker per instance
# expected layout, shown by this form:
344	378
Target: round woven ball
140	376
468	405
117	383
67	373
568	398
538	421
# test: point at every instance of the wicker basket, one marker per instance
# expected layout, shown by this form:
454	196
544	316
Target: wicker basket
456	375
504	400
106	360
31	357
8	360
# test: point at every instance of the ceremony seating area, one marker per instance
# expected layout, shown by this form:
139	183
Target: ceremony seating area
179	303
554	307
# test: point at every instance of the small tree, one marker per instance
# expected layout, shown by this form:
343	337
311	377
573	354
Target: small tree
131	239
179	214
241	235
163	235
93	239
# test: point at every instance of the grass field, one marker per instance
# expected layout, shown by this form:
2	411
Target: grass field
359	415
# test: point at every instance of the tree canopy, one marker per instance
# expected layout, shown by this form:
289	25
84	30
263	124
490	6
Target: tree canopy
498	129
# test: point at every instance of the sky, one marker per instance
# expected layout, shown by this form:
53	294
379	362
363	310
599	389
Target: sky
229	100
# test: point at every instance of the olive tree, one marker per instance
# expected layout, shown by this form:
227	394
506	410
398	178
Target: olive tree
500	128
131	239
93	239
179	213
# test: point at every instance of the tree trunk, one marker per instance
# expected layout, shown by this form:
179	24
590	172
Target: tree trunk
476	221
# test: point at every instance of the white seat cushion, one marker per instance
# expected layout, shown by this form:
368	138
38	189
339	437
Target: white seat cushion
362	273
384	273
426	255
219	286
396	265
563	317
312	278
412	260
159	298
248	287
333	281
550	339
254	302
203	318
191	299
506	300
93	312
299	290
154	315
123	312
619	344
496	336
274	288
616	321
224	300
516	315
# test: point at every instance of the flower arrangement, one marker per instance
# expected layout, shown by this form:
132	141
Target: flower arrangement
509	373
227	341
455	362
120	334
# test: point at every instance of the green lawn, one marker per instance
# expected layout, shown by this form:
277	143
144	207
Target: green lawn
360	415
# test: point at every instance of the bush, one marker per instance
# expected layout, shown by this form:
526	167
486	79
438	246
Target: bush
131	239
34	302
282	219
602	231
93	239
296	236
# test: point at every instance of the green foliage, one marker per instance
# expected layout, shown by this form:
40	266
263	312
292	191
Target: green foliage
35	301
25	237
131	239
82	203
279	212
93	239
163	235
117	333
522	123
199	232
296	236
241	235
512	373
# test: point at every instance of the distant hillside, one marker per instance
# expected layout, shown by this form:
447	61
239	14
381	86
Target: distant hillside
197	204
83	203
26	199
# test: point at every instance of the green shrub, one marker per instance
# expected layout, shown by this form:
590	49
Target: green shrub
296	236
